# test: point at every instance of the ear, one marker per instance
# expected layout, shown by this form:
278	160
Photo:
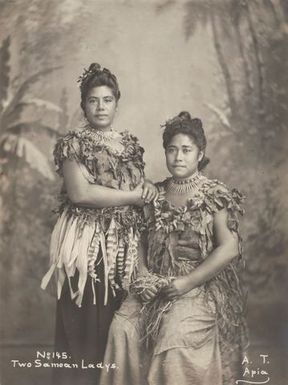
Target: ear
200	156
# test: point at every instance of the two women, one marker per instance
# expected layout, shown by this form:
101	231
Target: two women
184	324
183	321
94	242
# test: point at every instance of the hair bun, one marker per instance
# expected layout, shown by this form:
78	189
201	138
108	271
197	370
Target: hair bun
185	115
198	123
94	67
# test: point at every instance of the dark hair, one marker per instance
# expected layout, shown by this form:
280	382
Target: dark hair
184	124
96	76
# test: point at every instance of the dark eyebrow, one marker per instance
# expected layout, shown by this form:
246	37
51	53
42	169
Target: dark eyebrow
172	146
104	97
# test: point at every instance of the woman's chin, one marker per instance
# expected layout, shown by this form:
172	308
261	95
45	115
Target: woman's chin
101	125
179	175
181	172
177	172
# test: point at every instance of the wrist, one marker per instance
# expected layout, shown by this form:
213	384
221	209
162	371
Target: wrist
189	282
137	197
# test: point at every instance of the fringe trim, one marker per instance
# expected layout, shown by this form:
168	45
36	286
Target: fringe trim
152	311
77	245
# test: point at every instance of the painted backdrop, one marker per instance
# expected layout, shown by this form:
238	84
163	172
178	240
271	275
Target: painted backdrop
225	61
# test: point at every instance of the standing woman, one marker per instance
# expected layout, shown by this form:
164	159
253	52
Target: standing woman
192	312
93	247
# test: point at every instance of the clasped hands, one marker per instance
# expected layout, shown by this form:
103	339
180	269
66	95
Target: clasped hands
178	287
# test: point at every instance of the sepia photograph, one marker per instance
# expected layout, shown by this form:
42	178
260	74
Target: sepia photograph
143	192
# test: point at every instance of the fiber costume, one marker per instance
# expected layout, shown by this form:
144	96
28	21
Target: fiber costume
93	252
198	338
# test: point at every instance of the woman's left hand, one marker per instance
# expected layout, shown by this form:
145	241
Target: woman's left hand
149	294
149	192
177	288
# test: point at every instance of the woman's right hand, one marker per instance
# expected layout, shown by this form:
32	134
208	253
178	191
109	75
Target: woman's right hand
150	191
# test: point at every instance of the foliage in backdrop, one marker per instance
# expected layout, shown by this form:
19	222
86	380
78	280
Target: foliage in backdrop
249	138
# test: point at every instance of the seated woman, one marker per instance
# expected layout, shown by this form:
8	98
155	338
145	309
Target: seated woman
185	323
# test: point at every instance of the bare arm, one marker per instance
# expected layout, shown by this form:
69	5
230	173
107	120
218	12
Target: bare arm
222	255
150	292
142	255
83	193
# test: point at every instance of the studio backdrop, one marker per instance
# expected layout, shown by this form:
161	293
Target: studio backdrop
224	61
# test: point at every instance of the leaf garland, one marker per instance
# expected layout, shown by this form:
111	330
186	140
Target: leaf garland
211	197
83	146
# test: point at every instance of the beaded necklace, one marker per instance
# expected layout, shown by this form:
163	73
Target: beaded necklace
184	186
109	138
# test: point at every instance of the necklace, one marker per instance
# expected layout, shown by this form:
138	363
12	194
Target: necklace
104	136
184	186
111	139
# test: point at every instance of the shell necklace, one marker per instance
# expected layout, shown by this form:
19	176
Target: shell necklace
109	138
104	136
184	186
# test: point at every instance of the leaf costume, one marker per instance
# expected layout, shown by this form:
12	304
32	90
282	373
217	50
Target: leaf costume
199	337
80	233
93	252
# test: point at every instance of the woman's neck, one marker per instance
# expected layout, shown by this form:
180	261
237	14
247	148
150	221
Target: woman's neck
184	185
99	129
179	180
179	191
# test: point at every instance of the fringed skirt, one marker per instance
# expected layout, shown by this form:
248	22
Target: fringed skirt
92	258
81	332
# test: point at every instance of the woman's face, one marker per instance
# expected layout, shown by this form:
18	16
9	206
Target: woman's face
182	156
100	107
